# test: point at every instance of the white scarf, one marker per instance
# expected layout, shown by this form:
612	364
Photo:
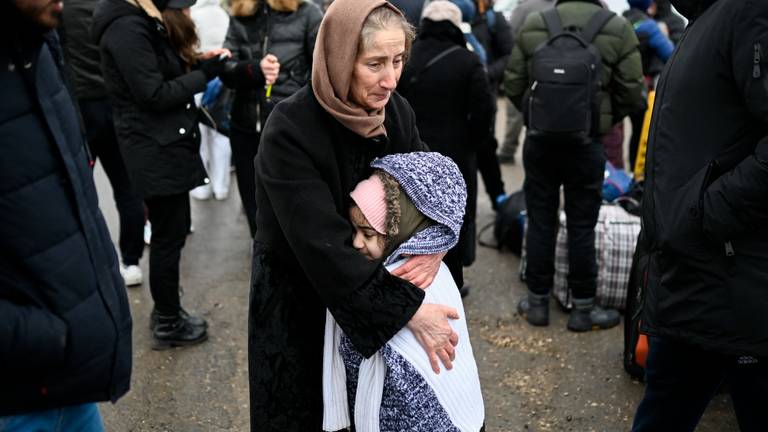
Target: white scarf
458	390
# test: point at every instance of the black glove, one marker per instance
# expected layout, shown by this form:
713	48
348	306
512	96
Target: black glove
212	67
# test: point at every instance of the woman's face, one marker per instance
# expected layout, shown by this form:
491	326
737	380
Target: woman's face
377	69
365	239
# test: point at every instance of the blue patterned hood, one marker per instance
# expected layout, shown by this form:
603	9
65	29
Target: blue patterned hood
436	187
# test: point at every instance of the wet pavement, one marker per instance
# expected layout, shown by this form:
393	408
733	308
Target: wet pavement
533	379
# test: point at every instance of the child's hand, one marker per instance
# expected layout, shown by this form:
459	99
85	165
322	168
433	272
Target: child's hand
420	270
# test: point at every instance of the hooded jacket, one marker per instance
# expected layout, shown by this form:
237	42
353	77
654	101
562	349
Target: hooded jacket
65	323
705	212
622	92
152	94
290	36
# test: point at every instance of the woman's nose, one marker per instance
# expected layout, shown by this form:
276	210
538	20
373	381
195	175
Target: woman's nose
389	80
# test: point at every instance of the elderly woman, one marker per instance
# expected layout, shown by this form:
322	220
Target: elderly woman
316	146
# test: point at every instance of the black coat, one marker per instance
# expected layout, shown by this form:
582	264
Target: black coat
81	50
290	37
452	99
65	324
303	259
152	96
496	39
705	211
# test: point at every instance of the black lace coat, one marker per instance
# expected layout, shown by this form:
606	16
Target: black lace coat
303	260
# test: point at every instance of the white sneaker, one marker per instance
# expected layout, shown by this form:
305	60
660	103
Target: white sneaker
132	275
201	193
147	233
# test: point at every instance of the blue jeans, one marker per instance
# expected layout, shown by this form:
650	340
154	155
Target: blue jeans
680	381
77	418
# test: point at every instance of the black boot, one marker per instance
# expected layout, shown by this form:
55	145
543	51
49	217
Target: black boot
464	291
195	321
175	330
586	316
535	309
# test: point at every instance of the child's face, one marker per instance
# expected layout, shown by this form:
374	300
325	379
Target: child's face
365	239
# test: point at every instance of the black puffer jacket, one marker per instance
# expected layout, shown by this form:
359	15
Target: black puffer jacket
82	53
152	95
705	210
288	36
65	324
303	259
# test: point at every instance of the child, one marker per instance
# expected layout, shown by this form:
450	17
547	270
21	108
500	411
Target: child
412	204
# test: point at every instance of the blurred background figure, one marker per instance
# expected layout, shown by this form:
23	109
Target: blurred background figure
152	71
272	43
511	142
655	49
84	63
211	22
412	9
448	89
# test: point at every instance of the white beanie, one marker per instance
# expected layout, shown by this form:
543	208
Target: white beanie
442	10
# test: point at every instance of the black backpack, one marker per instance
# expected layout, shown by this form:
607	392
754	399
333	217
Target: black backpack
566	78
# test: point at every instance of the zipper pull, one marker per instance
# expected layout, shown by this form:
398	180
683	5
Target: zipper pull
729	252
534	85
756	58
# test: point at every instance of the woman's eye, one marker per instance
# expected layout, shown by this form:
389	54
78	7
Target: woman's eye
398	62
374	65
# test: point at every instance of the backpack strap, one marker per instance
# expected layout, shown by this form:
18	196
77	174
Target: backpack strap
552	21
595	24
435	59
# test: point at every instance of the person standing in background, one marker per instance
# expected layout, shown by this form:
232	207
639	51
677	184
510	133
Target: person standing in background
271	43
211	22
511	142
454	105
152	71
65	322
84	67
492	32
412	9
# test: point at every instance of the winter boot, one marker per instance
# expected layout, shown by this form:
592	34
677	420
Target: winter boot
195	321
177	330
535	309
586	316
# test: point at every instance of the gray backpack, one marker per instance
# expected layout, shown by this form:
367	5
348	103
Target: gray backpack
565	80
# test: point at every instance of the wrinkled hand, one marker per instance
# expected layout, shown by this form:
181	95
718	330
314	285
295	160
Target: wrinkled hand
216	53
270	67
420	270
430	326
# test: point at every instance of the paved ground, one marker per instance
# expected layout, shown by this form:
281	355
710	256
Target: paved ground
534	379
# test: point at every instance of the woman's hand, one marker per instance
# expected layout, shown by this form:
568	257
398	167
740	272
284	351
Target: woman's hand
430	326
270	67
215	53
420	270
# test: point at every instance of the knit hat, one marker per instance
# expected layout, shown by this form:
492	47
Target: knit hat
437	189
443	10
369	196
643	5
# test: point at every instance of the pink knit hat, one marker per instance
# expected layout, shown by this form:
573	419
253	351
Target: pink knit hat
370	197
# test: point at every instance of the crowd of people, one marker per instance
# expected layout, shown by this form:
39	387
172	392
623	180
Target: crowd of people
357	130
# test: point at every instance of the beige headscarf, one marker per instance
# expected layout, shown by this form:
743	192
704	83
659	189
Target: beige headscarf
334	60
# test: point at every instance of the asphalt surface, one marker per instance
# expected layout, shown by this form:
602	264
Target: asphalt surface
533	379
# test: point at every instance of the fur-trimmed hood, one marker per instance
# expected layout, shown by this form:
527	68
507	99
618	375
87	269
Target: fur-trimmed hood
244	8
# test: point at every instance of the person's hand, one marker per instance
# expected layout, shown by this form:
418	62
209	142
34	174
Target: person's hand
216	53
270	67
420	270
212	67
430	326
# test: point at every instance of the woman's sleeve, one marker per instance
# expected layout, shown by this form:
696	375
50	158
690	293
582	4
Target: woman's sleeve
135	57
243	72
368	303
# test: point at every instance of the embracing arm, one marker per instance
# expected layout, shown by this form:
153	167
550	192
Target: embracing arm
136	60
368	303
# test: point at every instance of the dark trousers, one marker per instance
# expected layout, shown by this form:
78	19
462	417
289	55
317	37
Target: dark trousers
488	164
102	141
634	141
244	148
680	380
463	254
170	219
578	167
